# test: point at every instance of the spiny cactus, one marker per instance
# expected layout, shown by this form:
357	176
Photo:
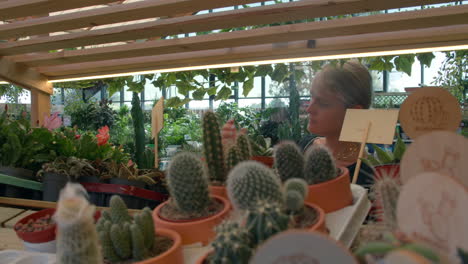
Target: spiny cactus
77	239
213	148
123	237
250	181
231	245
289	160
139	128
243	143
187	183
295	191
387	191
233	157
319	165
297	184
264	220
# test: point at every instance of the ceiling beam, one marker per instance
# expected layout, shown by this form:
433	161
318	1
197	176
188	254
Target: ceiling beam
23	8
113	14
339	27
221	20
24	76
406	39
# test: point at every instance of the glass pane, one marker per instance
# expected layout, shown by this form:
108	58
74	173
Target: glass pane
397	81
431	73
256	90
202	104
377	81
151	92
115	97
254	103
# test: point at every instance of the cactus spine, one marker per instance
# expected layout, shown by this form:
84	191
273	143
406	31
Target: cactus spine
250	181
213	148
264	220
139	128
187	183
319	165
243	143
233	157
289	161
231	245
123	237
387	191
295	191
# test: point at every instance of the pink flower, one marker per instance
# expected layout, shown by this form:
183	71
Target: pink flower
103	135
52	122
77	136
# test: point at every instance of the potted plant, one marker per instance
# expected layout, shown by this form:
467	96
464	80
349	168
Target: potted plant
37	231
190	211
262	151
329	186
124	237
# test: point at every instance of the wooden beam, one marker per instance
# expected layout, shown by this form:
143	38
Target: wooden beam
23	8
326	46
228	19
20	74
40	107
112	14
339	27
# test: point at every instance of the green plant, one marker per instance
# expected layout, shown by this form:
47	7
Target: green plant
213	148
231	245
384	157
233	157
386	191
295	191
243	143
138	126
251	181
452	74
71	167
110	169
90	115
244	117
187	183
124	237
260	147
319	165
289	160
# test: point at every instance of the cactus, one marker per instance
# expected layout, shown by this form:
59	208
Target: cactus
296	184
231	245
250	181
295	191
386	191
139	128
77	239
319	165
264	220
289	161
187	183
233	157
243	143
123	237
213	148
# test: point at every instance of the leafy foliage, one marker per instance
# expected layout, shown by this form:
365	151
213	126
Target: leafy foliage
453	74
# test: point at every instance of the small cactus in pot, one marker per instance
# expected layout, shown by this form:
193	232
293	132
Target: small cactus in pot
295	191
319	165
231	245
213	148
289	160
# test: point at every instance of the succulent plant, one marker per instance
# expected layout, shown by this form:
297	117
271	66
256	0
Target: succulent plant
264	220
295	192
124	237
250	181
187	183
386	191
213	148
289	160
139	129
260	146
296	184
111	169
384	157
319	165
72	167
231	245
243	143
233	157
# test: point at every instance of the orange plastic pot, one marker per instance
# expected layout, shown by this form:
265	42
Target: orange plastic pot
173	255
266	160
196	230
320	224
332	195
219	191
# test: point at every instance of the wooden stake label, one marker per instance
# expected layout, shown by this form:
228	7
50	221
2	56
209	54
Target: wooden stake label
432	209
441	151
429	109
301	247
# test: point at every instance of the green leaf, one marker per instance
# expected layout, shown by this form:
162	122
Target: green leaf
425	58
137	87
264	70
404	63
280	72
224	93
384	157
248	86
176	102
199	94
184	87
400	149
212	90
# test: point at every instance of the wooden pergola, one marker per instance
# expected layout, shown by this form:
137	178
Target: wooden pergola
42	41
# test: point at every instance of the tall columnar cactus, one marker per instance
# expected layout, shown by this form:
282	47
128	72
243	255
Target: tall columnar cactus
231	245
387	191
295	191
319	165
289	160
264	220
213	148
251	181
187	182
233	157
243	143
139	128
77	239
123	237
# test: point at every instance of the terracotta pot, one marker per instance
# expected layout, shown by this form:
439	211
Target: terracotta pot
268	161
320	224
173	255
332	195
198	230
219	191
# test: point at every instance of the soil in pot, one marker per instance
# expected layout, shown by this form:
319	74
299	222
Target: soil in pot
306	219
170	212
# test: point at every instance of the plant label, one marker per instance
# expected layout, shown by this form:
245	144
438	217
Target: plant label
429	109
432	209
381	128
441	151
157	117
301	247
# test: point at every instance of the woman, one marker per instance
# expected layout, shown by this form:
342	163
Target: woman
335	89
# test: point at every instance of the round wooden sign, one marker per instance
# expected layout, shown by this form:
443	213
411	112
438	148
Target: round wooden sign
432	209
301	247
441	151
429	109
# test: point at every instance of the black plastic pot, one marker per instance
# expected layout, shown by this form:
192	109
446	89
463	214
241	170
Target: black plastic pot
52	183
17	172
88	179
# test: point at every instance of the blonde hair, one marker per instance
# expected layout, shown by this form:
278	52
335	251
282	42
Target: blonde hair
351	80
